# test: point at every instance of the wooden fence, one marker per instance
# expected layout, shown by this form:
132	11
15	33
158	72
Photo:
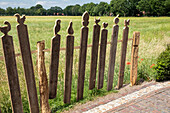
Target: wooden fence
49	92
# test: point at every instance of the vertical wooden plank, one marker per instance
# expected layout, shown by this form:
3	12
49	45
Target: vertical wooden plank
55	50
69	64
113	49
102	56
43	82
0	109
123	54
11	69
82	56
134	58
27	64
95	45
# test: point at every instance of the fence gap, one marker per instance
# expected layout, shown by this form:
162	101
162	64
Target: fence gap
55	51
27	63
11	69
102	56
95	45
123	53
43	82
82	56
134	58
69	64
113	49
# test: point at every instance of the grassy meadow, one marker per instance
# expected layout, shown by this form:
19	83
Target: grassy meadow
155	34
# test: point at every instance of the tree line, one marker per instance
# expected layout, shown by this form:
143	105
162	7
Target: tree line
121	7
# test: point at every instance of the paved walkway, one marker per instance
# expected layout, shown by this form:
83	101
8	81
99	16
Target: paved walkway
152	99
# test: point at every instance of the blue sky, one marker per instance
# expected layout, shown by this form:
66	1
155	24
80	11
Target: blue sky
46	3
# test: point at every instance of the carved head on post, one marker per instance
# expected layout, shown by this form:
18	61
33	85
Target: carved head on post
70	28
126	22
97	20
20	20
85	18
104	24
116	19
6	29
57	26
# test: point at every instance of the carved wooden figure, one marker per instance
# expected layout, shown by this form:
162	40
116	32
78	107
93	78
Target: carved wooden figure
113	48
82	55
11	69
43	82
27	63
69	64
102	56
134	58
123	54
55	51
95	45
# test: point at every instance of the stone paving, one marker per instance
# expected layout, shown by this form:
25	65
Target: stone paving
152	99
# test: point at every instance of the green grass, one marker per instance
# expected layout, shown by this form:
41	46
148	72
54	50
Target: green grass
155	34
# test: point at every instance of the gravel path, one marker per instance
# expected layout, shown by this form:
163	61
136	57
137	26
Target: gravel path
147	97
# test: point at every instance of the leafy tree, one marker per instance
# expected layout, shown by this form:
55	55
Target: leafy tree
152	7
53	10
89	7
101	9
2	11
120	7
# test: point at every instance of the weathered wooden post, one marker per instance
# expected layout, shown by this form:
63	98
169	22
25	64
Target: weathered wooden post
134	58
27	63
11	68
55	51
123	54
43	83
95	46
113	49
69	64
82	56
102	56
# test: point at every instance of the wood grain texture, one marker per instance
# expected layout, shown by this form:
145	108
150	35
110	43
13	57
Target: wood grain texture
134	58
69	64
82	56
94	57
54	64
68	70
123	55
43	82
11	69
112	59
102	57
28	67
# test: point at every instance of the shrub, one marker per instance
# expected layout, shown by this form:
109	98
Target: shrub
163	65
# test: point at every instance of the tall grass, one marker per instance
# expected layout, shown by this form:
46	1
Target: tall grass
155	34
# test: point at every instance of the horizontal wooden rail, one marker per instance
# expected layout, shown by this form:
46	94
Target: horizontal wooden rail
61	49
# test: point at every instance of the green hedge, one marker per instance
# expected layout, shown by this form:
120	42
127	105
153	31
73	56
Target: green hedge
163	65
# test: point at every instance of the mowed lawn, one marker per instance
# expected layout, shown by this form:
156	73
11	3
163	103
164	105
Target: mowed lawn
155	35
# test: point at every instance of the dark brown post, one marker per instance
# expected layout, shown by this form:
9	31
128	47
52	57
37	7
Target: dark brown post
123	54
93	67
27	63
113	48
82	56
55	51
11	69
0	109
134	58
102	56
43	83
69	64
